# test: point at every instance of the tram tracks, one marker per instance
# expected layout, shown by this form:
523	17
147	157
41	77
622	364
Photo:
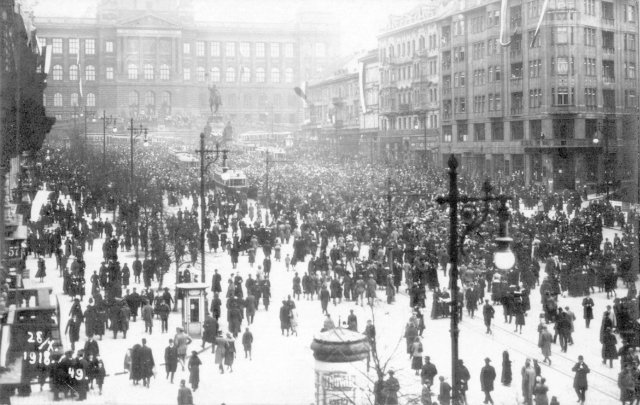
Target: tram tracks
602	383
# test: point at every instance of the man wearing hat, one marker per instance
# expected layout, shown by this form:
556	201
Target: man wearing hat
487	376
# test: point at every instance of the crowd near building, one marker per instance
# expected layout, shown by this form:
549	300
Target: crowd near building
558	105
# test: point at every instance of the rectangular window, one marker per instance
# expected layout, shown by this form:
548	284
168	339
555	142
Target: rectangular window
590	67
259	49
245	49
89	46
215	49
230	49
590	7
186	48
462	131
630	70
607	12
478	132
533	41
108	46
109	73
497	131
57	45
447	132
609	100
535	98
630	42
517	130
74	46
516	103
591	98
630	99
288	50
535	68
563	95
608	71
186	74
199	48
630	13
589	36
274	50
458	54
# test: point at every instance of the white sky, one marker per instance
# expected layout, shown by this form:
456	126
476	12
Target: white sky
360	20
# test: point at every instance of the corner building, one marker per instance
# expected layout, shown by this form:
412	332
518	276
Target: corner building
561	109
154	59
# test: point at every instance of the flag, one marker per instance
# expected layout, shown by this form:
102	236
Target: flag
361	80
542	12
504	22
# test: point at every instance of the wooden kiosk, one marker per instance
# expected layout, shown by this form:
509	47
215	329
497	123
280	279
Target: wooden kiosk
194	307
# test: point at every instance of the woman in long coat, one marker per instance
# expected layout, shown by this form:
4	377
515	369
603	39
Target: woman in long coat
410	334
230	353
73	329
544	343
506	376
221	348
194	370
540	392
136	366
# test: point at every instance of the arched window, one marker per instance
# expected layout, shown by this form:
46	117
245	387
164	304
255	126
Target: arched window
132	71
74	100
200	74
90	73
73	72
164	72
215	74
288	75
57	72
275	75
57	100
91	100
148	72
245	74
134	99
260	75
230	75
150	101
165	103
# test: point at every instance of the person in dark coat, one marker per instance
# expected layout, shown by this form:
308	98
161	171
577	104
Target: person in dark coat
210	330
146	363
487	376
352	321
587	306
445	392
285	318
73	330
247	343
487	314
171	359
216	280
60	377
185	397
580	383
463	380
609	350
216	306
390	388
90	319
194	370
91	347
428	372
230	353
507	375
324	299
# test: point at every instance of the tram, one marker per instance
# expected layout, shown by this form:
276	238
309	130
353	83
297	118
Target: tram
30	336
184	159
233	181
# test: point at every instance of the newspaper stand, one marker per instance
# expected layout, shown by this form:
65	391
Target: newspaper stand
193	297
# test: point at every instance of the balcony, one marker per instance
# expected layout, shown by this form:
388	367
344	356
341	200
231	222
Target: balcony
608	80
405	107
608	51
533	145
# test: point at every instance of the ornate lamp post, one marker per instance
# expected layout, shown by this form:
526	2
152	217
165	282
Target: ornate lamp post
135	133
504	258
106	121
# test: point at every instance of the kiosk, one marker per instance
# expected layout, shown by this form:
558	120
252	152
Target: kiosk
194	307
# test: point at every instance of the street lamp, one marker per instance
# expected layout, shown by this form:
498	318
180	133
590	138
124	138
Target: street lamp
203	169
135	133
600	134
503	258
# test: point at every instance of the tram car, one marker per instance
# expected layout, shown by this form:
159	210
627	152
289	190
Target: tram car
232	181
30	336
184	159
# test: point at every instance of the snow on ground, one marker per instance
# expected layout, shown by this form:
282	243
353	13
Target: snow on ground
282	372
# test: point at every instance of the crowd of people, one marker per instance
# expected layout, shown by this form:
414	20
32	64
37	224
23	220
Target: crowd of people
328	211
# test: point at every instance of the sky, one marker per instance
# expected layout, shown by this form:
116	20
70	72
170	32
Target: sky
359	20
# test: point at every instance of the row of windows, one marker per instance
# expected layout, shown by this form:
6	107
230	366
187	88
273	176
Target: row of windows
243	49
231	49
149	73
73	100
